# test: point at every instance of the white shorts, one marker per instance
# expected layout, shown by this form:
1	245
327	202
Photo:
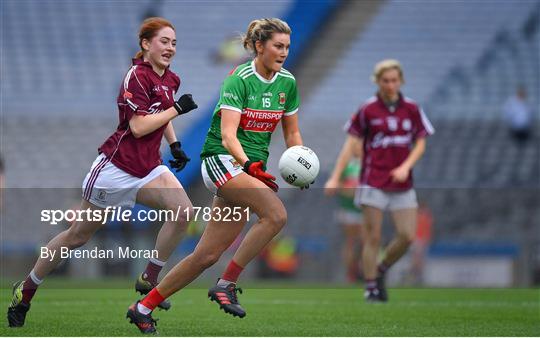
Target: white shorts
218	169
383	200
107	185
345	216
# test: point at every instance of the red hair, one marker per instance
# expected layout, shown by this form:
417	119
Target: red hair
149	28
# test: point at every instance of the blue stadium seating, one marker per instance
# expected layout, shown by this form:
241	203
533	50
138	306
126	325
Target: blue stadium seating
67	58
429	38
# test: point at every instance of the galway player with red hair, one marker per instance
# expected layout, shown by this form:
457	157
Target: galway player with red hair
128	168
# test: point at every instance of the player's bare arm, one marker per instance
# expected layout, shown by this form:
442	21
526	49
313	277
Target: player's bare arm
401	173
141	125
291	132
169	134
351	147
230	120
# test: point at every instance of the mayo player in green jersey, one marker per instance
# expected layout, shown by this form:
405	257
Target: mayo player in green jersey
349	215
254	98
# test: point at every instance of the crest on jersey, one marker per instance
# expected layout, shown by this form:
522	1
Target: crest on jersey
127	95
392	123
406	124
282	98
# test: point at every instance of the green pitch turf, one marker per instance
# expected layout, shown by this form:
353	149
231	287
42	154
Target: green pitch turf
287	311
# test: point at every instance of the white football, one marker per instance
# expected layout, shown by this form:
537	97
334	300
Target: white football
299	166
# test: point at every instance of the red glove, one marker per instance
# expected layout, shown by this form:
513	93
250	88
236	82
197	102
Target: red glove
256	170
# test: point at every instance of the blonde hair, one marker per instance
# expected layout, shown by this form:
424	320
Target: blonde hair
383	66
262	30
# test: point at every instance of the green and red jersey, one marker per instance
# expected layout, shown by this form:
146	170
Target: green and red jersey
262	103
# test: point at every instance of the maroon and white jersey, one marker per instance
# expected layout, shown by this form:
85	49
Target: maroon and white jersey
388	136
142	92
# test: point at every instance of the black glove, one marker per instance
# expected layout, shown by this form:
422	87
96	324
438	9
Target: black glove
185	104
180	157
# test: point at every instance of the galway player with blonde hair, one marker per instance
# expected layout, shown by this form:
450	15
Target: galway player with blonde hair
391	130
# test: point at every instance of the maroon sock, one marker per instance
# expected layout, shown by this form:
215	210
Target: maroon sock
29	289
232	272
382	268
371	284
152	272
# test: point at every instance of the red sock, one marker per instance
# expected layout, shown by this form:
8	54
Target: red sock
232	272
153	299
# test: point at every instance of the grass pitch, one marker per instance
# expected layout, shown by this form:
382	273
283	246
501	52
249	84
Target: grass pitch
288	311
